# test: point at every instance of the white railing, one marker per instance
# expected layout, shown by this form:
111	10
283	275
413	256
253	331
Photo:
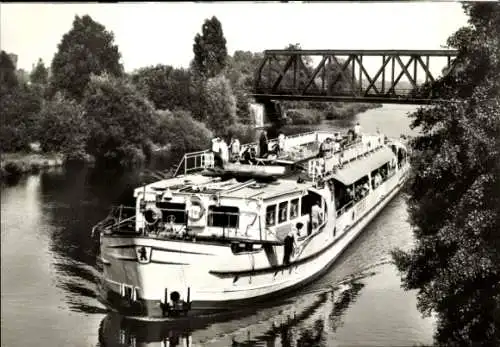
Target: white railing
196	161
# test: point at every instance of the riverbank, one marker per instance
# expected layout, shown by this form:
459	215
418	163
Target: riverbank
15	164
331	111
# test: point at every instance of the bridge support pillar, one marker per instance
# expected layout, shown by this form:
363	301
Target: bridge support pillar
273	112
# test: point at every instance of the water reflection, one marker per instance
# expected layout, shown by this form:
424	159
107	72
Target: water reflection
302	321
73	201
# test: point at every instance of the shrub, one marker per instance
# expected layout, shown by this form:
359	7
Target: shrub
181	132
304	116
120	121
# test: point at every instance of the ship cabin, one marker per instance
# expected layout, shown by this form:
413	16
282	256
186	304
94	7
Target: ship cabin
210	208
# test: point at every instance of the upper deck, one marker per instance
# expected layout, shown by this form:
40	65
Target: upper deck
352	160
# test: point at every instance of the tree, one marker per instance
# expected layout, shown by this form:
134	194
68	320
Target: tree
210	52
8	79
181	132
62	127
18	118
240	72
39	74
166	87
454	199
86	49
120	121
219	105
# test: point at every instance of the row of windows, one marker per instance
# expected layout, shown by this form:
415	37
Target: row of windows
218	216
289	210
228	216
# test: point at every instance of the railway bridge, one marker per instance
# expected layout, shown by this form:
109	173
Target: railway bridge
368	76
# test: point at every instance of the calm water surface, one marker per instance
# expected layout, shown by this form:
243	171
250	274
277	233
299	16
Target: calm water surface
49	278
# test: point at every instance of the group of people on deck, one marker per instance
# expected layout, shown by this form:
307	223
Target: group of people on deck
330	146
224	153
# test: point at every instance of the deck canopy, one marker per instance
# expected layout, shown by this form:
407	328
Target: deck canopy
361	167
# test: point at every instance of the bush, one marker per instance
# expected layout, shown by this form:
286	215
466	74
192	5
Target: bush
13	169
19	109
62	127
304	116
120	120
181	132
243	132
219	105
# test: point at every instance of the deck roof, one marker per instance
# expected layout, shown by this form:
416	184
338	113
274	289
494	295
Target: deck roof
361	167
267	190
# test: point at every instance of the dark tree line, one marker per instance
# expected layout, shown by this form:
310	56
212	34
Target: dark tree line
454	192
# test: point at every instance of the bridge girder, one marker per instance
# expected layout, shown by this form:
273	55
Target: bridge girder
283	75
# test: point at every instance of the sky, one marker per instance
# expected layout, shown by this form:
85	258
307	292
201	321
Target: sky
163	33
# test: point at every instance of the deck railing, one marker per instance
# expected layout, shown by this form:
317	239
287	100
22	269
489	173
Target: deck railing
195	161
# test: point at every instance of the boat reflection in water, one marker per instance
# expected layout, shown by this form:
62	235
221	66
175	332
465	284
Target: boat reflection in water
306	320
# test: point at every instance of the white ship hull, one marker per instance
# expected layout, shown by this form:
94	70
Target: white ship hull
215	277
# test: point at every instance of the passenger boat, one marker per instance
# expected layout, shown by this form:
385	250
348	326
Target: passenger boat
212	239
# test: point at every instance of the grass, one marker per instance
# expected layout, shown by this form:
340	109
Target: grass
15	164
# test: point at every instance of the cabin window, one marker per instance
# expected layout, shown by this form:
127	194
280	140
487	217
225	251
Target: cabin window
223	216
361	188
283	212
271	215
171	211
294	208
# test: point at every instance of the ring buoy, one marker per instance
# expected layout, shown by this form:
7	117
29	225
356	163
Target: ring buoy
152	215
192	215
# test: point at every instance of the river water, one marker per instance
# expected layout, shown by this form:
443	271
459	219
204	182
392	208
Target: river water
49	277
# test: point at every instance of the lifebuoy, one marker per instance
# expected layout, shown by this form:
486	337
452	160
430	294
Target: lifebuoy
192	215
152	215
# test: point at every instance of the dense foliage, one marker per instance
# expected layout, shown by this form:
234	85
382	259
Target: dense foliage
8	78
182	132
454	199
18	118
166	87
86	49
210	52
61	126
120	121
219	105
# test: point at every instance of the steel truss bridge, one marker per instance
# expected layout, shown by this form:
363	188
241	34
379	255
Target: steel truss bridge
343	75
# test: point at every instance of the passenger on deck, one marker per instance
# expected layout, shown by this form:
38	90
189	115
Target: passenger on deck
298	231
350	137
263	144
216	152
325	149
366	188
378	179
281	143
248	156
235	149
336	146
316	216
224	151
338	138
289	244
329	148
350	194
357	130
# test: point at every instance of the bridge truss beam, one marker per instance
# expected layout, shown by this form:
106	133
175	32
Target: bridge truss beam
343	75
